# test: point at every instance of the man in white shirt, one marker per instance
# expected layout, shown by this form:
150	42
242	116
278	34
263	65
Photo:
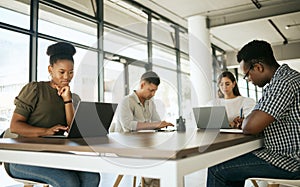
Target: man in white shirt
137	111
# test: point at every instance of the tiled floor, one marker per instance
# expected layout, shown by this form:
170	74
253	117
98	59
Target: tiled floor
197	179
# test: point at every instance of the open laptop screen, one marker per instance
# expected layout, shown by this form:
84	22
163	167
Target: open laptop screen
92	119
213	117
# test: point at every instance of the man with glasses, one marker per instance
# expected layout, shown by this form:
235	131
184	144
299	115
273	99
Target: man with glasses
276	116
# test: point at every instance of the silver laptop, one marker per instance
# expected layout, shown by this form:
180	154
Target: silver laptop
91	119
212	117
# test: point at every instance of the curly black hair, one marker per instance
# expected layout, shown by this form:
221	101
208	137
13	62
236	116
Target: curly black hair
61	51
257	50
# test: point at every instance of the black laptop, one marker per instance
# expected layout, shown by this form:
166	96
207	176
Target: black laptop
91	119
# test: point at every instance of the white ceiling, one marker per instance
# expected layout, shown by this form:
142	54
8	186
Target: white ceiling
234	23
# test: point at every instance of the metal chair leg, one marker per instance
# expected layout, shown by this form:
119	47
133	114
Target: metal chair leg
118	180
254	183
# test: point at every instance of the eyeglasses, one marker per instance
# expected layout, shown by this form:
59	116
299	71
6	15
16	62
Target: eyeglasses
246	77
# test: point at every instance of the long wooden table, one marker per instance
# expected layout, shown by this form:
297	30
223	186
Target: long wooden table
165	155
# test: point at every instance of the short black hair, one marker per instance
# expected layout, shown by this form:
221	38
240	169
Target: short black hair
151	77
257	50
61	51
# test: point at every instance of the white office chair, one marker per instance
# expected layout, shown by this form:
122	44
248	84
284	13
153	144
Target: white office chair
276	182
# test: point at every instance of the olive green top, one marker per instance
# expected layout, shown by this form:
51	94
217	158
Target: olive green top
40	104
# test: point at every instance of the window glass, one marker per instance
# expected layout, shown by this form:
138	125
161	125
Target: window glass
88	7
114	84
184	42
85	70
162	32
15	13
164	57
166	97
135	73
242	84
14	71
125	16
186	102
185	63
85	81
118	43
252	92
65	26
259	93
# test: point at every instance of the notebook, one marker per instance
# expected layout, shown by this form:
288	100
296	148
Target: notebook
212	117
91	119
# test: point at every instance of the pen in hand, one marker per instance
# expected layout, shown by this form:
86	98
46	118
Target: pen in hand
241	118
241	113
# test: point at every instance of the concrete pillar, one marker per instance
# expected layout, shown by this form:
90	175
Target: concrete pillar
200	61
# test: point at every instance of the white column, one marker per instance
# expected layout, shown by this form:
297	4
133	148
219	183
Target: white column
200	61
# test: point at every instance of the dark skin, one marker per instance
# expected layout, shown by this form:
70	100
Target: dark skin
61	73
259	75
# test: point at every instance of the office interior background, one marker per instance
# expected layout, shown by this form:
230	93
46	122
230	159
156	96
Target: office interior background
118	40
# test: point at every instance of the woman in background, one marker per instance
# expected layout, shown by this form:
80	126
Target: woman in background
45	108
229	96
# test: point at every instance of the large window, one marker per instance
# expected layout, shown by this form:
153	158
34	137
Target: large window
248	89
14	71
114	83
15	13
166	97
164	57
87	7
125	16
163	33
135	73
65	26
103	71
184	42
116	42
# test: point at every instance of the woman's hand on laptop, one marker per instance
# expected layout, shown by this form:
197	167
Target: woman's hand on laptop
55	129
